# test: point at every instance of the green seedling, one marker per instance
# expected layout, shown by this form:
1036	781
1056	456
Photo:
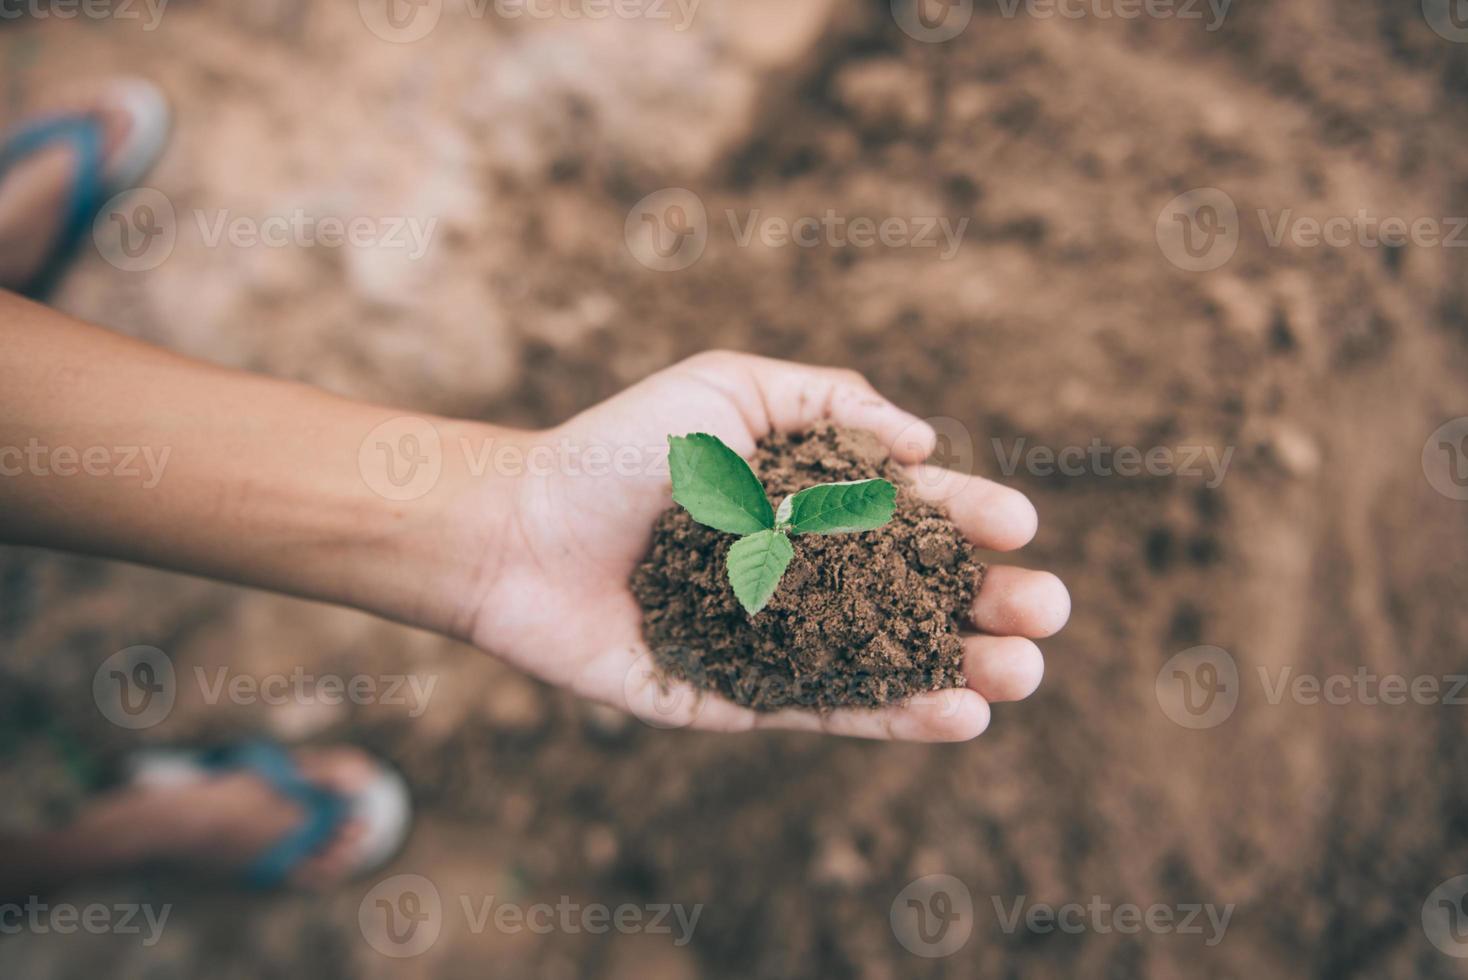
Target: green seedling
719	490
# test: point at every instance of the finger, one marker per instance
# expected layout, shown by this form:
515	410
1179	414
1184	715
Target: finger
1002	668
1020	602
953	715
990	515
785	396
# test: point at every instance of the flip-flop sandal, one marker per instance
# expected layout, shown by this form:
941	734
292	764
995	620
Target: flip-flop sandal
98	175
384	807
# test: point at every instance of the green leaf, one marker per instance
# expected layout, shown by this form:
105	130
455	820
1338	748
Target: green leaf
716	486
755	565
834	508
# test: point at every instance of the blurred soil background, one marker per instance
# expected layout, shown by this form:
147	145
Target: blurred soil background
1058	321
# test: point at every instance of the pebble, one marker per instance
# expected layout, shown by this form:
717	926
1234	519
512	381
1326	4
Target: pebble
936	550
839	863
1295	450
885	95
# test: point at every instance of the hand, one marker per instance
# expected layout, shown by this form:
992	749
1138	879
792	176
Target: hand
556	600
277	485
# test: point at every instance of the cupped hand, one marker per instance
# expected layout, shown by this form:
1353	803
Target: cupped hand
558	601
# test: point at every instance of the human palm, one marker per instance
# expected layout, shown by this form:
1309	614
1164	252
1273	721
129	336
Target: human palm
561	606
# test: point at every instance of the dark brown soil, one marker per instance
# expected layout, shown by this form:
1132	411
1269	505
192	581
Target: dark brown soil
860	619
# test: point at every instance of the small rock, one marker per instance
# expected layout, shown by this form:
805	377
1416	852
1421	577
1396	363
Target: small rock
887	651
515	704
517	811
1295	450
840	863
298	720
1244	309
606	722
599	846
885	95
936	551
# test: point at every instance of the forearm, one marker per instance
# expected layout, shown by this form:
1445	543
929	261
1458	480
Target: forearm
112	447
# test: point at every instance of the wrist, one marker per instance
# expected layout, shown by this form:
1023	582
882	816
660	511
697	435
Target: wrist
445	497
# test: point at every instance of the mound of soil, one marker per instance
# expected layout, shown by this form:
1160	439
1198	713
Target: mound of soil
862	619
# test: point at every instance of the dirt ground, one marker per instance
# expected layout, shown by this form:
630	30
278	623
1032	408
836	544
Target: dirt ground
1060	320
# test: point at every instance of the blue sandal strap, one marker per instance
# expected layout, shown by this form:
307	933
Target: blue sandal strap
87	187
325	811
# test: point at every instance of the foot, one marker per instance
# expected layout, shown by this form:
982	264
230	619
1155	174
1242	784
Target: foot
221	825
33	193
